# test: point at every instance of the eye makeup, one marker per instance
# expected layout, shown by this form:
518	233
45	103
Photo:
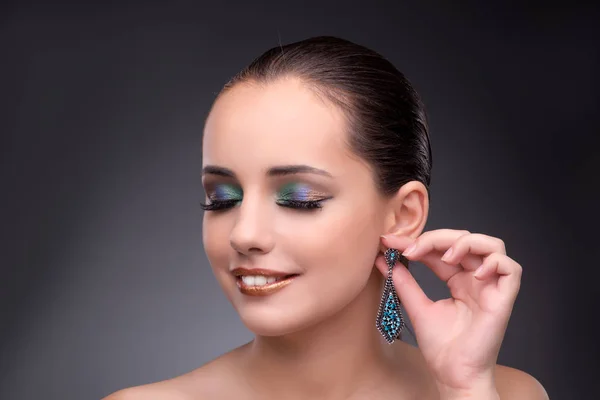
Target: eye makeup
226	192
223	196
296	195
300	195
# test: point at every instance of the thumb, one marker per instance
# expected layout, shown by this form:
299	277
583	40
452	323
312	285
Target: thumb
412	297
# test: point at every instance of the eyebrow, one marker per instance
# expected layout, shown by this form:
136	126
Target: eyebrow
273	171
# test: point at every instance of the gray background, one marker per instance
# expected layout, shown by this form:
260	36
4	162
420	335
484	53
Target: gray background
104	283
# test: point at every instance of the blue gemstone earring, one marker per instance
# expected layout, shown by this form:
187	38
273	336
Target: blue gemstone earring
389	317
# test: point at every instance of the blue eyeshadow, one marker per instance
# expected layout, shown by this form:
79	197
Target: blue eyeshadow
226	192
297	192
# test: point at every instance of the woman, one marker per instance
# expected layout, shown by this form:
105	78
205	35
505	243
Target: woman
316	167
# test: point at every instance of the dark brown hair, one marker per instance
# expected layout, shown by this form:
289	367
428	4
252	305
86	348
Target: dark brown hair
386	119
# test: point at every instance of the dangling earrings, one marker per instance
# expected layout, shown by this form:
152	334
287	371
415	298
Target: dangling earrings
389	317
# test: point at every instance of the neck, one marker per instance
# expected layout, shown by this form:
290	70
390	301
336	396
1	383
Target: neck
332	359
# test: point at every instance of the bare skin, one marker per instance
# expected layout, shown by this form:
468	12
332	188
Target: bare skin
408	378
316	338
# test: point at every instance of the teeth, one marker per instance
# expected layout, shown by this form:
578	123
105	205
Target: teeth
248	280
258	280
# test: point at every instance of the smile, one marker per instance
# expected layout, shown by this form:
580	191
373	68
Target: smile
261	283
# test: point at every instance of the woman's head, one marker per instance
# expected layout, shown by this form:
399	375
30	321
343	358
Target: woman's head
311	153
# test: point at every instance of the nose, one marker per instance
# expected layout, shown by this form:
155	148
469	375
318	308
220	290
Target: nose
252	233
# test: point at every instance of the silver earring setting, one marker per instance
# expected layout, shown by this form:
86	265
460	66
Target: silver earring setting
389	317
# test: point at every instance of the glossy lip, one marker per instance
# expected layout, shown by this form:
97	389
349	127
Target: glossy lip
241	271
263	290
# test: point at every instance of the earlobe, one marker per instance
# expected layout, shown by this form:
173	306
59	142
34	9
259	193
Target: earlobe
409	209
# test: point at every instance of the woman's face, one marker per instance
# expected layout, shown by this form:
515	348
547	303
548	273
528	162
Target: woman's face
297	230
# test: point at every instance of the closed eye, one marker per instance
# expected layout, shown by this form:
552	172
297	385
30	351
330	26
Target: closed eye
217	205
302	205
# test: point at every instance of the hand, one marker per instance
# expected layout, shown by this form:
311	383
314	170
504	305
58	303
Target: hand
459	337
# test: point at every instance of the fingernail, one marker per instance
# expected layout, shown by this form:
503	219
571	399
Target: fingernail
447	254
383	236
478	271
410	249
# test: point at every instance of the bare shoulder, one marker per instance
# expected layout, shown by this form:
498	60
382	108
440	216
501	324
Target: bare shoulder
207	382
511	383
160	390
515	384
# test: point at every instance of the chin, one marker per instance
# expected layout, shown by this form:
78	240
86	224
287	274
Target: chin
293	310
272	322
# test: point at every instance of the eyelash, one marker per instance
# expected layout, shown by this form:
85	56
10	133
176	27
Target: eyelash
219	205
304	205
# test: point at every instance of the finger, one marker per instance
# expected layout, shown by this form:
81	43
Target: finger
438	240
409	292
399	243
431	259
474	243
433	262
469	262
509	272
412	297
382	266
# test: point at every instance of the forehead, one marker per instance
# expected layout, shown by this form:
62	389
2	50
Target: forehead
280	123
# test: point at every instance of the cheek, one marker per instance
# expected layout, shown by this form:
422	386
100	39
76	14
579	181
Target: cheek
215	238
342	239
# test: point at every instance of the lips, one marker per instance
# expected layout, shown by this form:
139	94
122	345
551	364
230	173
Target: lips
261	282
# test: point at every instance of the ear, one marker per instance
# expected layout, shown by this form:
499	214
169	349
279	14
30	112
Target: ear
408	210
